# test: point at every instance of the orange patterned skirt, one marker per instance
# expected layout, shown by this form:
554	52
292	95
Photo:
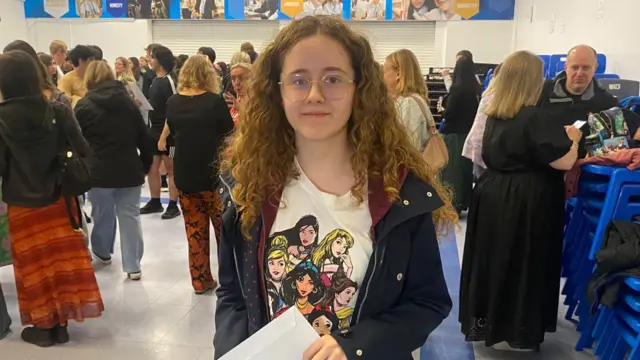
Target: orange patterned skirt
52	266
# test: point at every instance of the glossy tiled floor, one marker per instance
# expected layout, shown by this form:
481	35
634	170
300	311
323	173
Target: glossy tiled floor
160	317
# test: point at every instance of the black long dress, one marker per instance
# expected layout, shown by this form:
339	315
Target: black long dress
513	249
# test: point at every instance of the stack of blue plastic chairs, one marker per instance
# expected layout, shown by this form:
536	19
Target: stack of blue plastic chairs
605	193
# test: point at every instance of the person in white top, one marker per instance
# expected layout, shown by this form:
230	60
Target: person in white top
329	208
472	148
369	10
446	10
405	83
59	51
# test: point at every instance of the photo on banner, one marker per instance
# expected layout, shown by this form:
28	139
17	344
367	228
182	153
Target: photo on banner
432	10
296	9
96	9
202	9
261	9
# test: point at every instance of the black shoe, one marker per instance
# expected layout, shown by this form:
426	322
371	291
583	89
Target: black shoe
172	212
38	337
152	207
60	334
87	218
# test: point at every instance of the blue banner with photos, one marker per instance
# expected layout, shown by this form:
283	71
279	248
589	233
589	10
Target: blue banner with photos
353	10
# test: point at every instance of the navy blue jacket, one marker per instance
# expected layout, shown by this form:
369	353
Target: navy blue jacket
404	295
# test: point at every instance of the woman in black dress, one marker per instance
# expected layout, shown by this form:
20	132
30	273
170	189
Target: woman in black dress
512	256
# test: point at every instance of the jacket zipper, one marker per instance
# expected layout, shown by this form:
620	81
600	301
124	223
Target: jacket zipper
233	246
263	286
366	289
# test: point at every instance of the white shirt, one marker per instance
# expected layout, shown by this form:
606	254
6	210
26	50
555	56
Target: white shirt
369	11
317	255
436	14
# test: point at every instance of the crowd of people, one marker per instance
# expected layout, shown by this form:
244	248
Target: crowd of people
308	162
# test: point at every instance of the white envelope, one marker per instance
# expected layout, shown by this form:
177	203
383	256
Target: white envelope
285	338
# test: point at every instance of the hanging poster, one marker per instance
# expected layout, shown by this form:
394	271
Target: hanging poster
97	9
202	9
357	10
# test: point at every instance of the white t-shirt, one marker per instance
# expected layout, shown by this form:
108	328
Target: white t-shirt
436	14
317	255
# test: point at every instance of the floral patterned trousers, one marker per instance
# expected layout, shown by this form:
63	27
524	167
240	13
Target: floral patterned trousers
198	210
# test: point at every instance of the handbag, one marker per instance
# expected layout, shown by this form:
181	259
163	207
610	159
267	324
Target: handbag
435	152
74	176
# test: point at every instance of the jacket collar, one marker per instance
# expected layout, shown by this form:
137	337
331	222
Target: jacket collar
559	93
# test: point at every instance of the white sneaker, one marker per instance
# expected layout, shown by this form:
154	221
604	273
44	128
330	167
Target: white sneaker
135	276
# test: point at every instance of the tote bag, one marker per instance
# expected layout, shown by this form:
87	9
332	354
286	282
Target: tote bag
435	150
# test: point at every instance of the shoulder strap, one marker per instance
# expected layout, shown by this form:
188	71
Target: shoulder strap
173	85
430	121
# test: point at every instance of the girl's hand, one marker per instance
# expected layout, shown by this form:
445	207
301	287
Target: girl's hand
347	260
162	145
325	348
573	133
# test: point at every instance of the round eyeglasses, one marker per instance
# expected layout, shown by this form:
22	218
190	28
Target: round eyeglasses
297	87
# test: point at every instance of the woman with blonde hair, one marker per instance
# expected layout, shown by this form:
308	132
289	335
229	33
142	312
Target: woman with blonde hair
240	75
123	154
240	57
513	247
199	121
123	71
472	148
405	83
336	152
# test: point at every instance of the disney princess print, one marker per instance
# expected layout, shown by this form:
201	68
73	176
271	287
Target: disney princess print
312	273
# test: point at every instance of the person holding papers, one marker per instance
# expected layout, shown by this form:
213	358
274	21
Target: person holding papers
330	211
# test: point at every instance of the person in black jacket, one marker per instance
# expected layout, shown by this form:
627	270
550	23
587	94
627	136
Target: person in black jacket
336	213
574	93
113	126
461	106
54	276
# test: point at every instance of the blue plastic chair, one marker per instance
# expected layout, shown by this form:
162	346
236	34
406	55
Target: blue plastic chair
553	60
487	79
606	76
545	60
602	64
559	67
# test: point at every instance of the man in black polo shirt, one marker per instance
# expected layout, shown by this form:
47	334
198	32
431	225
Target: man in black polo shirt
162	88
574	93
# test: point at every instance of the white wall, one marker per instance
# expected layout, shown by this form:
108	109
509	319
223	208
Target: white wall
489	41
554	26
12	23
115	38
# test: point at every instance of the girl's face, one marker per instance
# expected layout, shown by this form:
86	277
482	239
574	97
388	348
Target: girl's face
276	268
305	285
390	76
322	325
417	4
119	66
131	65
143	61
307	235
317	88
52	69
344	298
239	75
444	5
339	247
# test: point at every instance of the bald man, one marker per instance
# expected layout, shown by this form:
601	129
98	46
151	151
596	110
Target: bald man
574	93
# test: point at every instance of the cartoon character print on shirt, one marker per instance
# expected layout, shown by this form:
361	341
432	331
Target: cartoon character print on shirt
303	288
331	256
277	269
302	239
323	320
313	277
338	298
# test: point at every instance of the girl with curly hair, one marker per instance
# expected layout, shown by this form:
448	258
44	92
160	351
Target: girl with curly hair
319	135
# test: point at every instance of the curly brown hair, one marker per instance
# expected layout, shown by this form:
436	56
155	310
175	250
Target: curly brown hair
260	155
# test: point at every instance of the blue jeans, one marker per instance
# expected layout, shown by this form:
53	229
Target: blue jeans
106	205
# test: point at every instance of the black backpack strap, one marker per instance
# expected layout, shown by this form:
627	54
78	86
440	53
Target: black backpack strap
69	203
